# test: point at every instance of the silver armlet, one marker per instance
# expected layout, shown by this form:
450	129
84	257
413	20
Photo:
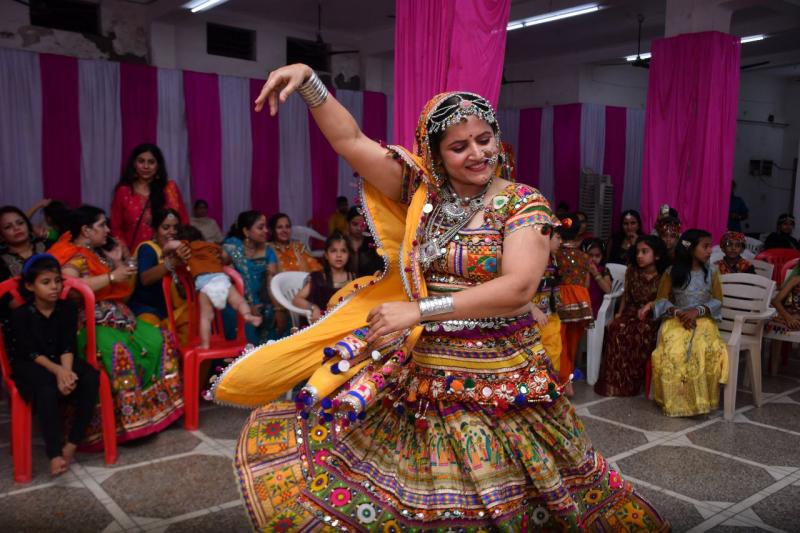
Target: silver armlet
313	91
438	305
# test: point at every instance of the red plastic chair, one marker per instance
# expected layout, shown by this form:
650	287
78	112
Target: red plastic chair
21	414
785	271
219	347
778	257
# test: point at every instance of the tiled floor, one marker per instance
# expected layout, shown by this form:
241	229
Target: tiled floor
704	474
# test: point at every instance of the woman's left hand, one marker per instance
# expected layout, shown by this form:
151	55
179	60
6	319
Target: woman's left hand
390	317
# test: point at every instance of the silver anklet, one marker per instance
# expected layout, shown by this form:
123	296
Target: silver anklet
313	91
438	305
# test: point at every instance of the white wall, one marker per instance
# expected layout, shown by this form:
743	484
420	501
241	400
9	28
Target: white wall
126	21
762	95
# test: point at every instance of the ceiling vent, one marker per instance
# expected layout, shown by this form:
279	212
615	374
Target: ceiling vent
228	41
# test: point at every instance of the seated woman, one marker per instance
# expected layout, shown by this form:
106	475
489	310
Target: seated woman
155	259
625	238
732	244
293	256
631	337
17	243
691	359
255	261
320	286
782	236
139	358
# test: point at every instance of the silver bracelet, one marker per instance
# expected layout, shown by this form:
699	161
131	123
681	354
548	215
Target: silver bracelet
438	305
313	91
701	310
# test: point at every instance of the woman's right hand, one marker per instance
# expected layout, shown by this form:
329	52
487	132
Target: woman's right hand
280	84
123	273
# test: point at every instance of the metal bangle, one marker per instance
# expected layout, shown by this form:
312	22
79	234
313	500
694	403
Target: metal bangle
313	91
701	310
438	305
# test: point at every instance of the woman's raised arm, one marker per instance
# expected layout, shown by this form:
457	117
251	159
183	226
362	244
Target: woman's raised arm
366	156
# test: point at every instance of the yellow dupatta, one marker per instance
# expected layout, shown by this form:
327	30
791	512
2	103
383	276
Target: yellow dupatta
270	370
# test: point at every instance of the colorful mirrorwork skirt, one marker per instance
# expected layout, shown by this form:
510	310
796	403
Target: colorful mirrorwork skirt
442	448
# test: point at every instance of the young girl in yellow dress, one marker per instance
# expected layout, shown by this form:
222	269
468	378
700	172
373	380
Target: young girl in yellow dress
545	305
690	360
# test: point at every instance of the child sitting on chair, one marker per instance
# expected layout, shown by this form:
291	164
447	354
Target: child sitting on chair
213	286
732	244
44	362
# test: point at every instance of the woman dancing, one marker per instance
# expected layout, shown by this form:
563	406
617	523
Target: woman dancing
441	410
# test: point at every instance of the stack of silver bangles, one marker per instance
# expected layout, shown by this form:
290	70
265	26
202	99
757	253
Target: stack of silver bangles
437	305
313	91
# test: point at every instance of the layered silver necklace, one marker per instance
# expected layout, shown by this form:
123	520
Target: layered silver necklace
445	219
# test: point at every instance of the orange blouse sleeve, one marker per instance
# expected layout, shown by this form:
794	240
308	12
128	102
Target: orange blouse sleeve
175	201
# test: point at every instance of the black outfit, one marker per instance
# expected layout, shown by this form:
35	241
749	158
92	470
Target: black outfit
320	291
616	253
781	240
32	335
365	261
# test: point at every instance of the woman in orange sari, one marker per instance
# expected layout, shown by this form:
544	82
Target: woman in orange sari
293	256
140	359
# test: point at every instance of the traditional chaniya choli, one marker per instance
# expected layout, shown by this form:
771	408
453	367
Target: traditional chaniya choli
450	426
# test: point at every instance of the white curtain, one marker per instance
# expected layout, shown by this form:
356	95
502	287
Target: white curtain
171	133
634	150
101	131
237	146
593	136
294	176
546	157
508	119
21	131
353	101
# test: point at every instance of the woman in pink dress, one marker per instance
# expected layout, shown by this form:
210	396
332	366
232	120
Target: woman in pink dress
143	189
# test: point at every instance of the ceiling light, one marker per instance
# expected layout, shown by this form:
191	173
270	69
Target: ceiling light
744	40
202	5
645	55
753	38
582	9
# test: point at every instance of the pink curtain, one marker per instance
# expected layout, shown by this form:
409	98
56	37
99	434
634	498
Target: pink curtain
61	136
138	95
201	93
448	45
614	156
528	150
567	153
374	121
692	101
324	175
265	132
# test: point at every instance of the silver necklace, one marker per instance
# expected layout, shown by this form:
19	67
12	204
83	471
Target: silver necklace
445	220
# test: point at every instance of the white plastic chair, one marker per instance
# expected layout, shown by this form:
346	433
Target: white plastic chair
595	335
304	234
284	287
745	309
754	246
763	268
